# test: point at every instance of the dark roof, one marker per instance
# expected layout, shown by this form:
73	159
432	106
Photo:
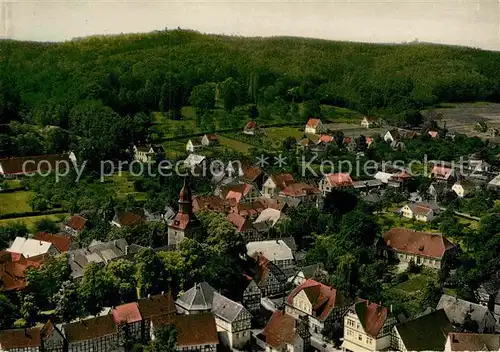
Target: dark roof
89	329
157	305
192	329
198	297
225	308
76	222
14	166
126	218
60	241
20	338
426	333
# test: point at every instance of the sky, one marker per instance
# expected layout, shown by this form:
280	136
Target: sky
459	22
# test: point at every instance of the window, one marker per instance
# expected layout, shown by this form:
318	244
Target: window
360	337
357	326
369	340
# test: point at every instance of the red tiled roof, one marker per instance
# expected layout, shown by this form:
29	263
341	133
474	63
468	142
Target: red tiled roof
251	125
252	208
181	221
251	172
76	222
157	305
280	329
326	138
60	241
340	179
239	221
433	134
127	313
473	342
90	329
323	298
14	166
20	338
13	268
238	191
282	180
426	244
299	189
372	316
211	203
192	330
441	172
127	218
369	140
313	122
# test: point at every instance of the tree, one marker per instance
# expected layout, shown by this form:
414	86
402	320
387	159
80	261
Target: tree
95	289
203	97
122	276
46	225
413	118
311	108
7	312
165	340
29	308
10	231
430	295
149	273
67	302
230	93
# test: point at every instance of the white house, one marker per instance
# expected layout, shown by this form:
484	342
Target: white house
29	247
418	211
391	136
463	188
209	139
368	122
314	126
333	181
193	160
276	251
275	184
194	144
146	153
367	327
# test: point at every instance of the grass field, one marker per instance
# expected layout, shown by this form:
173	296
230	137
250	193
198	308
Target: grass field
123	185
414	284
234	144
15	202
30	221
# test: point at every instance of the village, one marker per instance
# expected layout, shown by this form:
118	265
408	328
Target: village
288	300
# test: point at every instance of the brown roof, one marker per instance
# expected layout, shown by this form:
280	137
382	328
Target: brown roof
426	244
127	313
14	166
76	222
282	180
299	189
239	221
474	342
251	172
313	122
212	137
322	297
60	241
339	179
251	125
127	218
211	203
89	329
372	316
192	330
13	268
280	329
20	338
252	208
157	305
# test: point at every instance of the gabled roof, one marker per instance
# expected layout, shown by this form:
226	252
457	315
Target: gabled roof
196	141
323	298
237	192
157	305
18	339
13	268
461	341
60	241
419	209
273	250
282	180
394	133
211	203
441	172
225	308
212	137
29	247
313	122
250	173
339	179
425	333
14	166
372	316
126	218
467	185
425	244
299	189
198	297
269	215
193	160
76	222
281	329
127	313
457	310
90	329
251	125
246	209
240	222
433	134
192	329
326	138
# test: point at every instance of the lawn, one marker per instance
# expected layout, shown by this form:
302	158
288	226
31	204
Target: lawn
30	221
123	185
234	144
337	114
15	202
414	284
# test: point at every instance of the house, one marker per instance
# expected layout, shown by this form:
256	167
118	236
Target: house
268	277
463	188
276	251
399	180
434	134
194	144
249	209
74	225
241	193
458	311
442	173
185	224
335	181
425	333
384	177
311	142
251	296
94	334
462	342
477	164
198	299
419	211
275	184
488	295
302	193
209	139
251	128
124	218
309	272
243	224
317	302
29	247
154	306
314	126
494	183
367	185
63	243
193	161
369	141
196	333
367	327
46	338
22	166
148	153
97	252
13	270
391	136
423	248
269	216
214	203
252	174
436	191
284	333
233	322
368	122
128	320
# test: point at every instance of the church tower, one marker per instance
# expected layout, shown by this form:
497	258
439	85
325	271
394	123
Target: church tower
185	223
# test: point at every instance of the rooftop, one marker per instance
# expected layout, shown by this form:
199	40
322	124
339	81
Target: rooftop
426	244
29	247
273	250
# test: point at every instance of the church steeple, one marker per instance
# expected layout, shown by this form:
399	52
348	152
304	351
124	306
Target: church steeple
185	199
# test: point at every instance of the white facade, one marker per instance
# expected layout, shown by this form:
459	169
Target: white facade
269	188
296	346
407	212
357	340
